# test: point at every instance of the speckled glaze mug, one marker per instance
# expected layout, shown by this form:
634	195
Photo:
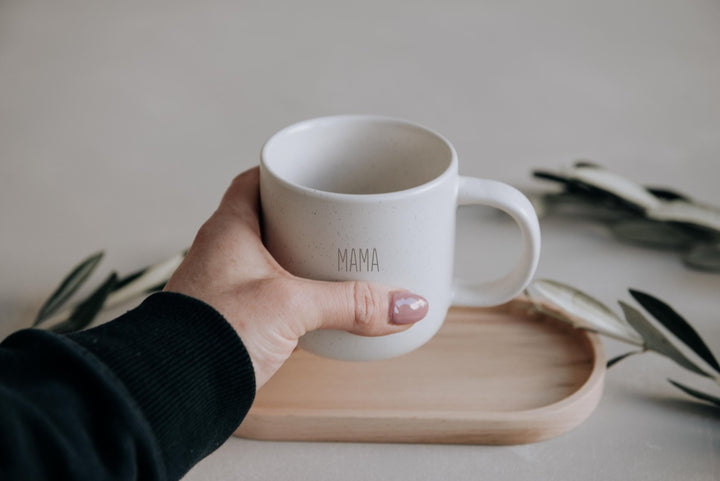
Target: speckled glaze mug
359	197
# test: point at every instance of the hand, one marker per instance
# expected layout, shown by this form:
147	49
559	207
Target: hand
229	268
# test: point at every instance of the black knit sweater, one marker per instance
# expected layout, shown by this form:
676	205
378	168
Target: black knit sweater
145	396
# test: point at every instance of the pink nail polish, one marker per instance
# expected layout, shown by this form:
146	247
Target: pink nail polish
406	307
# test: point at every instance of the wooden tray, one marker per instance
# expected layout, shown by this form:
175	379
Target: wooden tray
503	375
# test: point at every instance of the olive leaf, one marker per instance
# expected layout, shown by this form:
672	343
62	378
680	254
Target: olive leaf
655	340
69	285
704	257
127	279
676	324
686	212
543	174
695	393
667	194
86	311
652	233
615	184
578	304
619	358
593	194
586	164
147	280
586	207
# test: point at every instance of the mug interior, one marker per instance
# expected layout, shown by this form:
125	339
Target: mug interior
357	155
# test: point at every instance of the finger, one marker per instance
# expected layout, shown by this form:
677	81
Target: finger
362	308
242	199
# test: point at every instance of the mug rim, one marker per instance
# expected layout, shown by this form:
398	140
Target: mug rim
417	189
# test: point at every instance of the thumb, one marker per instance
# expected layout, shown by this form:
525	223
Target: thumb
362	308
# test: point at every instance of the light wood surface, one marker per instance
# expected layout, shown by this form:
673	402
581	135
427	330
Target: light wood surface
503	375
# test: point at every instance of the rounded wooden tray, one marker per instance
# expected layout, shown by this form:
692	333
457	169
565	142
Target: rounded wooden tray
502	375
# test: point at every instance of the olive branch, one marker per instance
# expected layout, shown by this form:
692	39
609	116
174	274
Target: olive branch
659	218
568	304
113	291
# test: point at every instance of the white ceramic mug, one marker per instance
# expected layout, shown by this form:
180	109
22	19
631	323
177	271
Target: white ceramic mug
360	197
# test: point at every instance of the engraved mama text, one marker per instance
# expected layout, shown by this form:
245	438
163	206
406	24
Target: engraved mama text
358	260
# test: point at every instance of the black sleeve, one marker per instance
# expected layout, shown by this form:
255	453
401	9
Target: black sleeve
145	396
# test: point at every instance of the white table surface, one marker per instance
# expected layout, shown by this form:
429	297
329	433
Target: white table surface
121	124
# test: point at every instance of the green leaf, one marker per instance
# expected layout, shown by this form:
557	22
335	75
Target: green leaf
653	234
543	174
586	164
615	184
152	278
584	207
156	288
69	285
580	305
700	215
704	257
695	393
676	324
656	341
86	311
667	194
123	281
619	358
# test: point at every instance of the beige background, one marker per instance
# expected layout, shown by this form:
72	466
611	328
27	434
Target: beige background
121	123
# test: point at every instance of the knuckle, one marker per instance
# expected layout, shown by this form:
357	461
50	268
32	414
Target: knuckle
366	305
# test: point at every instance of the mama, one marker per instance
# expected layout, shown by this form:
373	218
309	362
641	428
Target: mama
358	260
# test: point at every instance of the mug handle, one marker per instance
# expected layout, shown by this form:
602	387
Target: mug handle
513	202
